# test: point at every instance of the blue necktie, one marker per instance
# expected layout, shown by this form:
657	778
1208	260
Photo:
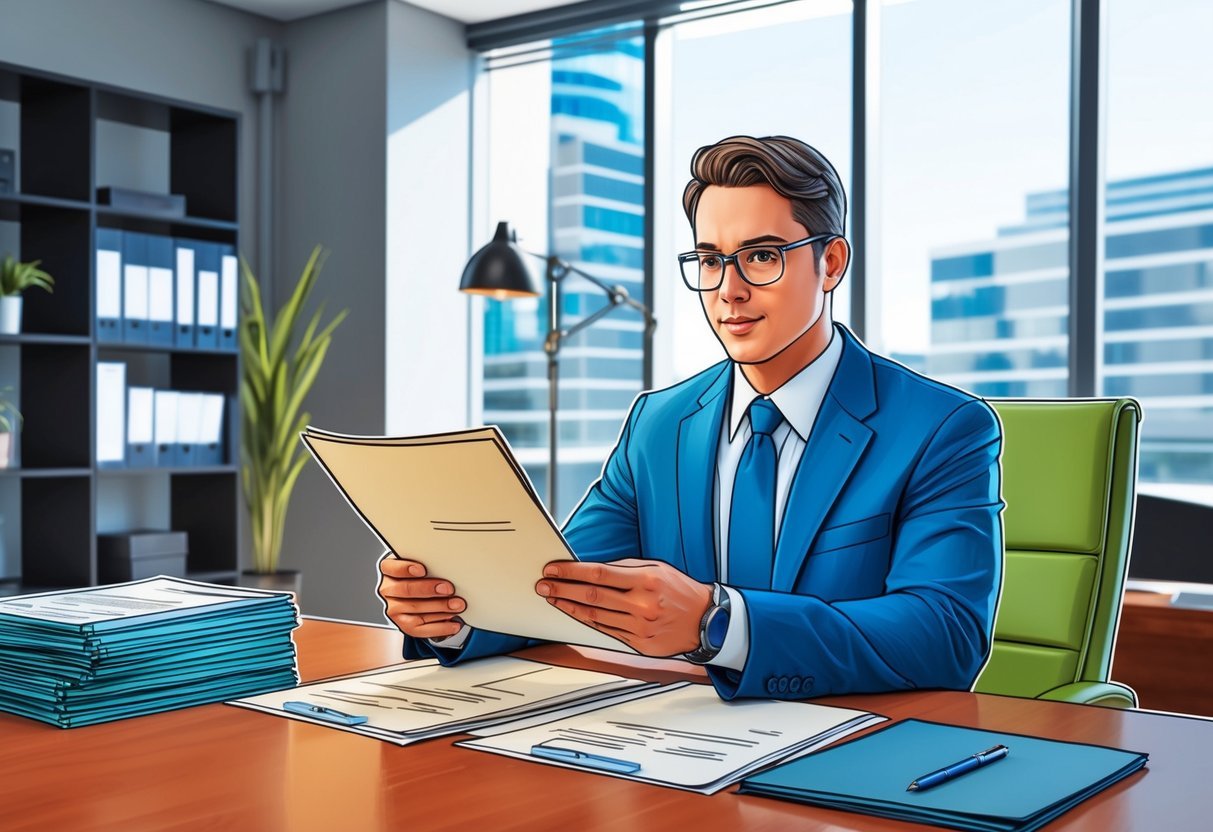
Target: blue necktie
752	510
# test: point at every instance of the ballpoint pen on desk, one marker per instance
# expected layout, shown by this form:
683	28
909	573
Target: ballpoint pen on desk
584	758
953	771
321	712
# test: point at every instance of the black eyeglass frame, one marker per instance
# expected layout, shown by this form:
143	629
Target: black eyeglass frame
688	256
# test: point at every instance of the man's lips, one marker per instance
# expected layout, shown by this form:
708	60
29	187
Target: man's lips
739	325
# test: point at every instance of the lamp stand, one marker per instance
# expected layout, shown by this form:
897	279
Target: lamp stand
557	271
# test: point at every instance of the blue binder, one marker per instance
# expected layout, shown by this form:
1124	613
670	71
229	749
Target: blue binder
134	288
161	280
185	293
229	297
108	257
207	267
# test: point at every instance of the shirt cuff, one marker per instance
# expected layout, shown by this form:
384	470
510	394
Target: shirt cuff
736	648
452	642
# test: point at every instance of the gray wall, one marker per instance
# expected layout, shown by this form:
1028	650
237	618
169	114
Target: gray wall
372	141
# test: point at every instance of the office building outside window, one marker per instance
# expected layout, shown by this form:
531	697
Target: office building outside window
585	155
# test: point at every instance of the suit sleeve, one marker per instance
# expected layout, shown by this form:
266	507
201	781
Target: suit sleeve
602	527
932	626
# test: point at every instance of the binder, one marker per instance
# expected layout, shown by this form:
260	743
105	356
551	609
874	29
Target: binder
109	285
160	281
185	317
140	428
134	288
165	404
1039	779
206	334
189	427
209	450
111	414
229	297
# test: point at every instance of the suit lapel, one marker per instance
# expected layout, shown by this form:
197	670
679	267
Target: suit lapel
698	441
835	446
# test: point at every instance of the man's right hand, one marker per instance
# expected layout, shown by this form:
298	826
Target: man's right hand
421	606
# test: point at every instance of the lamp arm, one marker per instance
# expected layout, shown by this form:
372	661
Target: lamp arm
618	296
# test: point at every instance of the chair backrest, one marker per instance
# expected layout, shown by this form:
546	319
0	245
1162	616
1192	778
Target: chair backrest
1069	483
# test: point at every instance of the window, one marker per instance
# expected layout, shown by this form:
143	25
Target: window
1158	268
565	166
970	218
749	73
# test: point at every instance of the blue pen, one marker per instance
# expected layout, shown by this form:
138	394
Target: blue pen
320	712
584	758
953	771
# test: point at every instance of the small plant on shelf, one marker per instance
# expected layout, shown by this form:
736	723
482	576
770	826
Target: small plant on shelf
15	278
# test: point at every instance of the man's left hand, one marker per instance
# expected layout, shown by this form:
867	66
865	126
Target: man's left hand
647	604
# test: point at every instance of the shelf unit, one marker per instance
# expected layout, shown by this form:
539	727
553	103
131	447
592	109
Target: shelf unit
73	137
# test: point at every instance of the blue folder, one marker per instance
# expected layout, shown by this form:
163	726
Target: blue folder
1039	780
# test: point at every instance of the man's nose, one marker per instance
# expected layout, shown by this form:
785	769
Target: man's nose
732	286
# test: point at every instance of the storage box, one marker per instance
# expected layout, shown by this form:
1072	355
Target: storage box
170	205
143	553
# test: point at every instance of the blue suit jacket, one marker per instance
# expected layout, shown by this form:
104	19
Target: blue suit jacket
889	559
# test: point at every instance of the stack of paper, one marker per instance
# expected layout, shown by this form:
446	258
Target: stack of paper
681	735
91	655
1037	781
419	700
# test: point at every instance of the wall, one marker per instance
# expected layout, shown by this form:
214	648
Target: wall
374	148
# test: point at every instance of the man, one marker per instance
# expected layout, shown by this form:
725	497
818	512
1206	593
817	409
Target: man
805	518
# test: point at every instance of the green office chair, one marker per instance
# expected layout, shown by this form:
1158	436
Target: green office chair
1069	482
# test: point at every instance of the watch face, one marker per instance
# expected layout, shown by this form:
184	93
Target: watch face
718	626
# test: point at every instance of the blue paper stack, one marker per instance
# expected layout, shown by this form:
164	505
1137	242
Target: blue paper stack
97	654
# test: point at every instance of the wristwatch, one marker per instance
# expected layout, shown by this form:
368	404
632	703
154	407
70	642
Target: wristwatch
712	628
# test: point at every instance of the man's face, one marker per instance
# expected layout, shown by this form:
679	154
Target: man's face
757	323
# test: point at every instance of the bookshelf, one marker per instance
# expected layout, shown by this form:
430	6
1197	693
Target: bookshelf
72	137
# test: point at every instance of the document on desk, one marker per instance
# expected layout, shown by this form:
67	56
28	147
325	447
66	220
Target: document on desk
682	735
420	700
461	504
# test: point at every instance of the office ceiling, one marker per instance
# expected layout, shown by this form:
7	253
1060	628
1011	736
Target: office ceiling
467	11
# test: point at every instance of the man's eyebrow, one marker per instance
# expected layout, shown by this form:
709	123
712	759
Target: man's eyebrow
765	238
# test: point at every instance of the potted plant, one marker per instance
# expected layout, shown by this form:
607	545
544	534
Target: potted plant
10	417
280	360
15	278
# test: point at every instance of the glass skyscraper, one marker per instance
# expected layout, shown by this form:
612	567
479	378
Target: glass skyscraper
999	313
596	223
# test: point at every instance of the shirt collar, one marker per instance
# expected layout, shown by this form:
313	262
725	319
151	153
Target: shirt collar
798	399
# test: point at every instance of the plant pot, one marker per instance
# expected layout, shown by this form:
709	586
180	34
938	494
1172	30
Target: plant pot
6	449
289	580
10	315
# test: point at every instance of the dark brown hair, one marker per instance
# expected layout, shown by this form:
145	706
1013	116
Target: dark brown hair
797	172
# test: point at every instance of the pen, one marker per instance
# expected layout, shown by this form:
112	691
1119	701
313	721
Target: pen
321	712
943	775
584	758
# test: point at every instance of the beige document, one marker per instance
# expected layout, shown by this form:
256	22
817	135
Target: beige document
460	503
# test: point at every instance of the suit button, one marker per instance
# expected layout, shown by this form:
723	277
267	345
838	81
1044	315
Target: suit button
807	685
794	685
783	684
772	685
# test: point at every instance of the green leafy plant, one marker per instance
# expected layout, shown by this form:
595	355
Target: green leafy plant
280	362
10	416
16	277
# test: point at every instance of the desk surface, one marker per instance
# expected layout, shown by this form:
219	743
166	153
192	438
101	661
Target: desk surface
219	767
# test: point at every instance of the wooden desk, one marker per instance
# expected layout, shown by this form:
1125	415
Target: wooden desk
218	767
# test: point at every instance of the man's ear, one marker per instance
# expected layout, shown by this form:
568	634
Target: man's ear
836	256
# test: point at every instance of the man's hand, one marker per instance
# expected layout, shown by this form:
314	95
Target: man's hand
647	604
422	607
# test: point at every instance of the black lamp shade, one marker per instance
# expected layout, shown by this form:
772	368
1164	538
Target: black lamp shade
500	269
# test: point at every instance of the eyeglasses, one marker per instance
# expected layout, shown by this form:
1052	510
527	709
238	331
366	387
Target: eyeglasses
762	265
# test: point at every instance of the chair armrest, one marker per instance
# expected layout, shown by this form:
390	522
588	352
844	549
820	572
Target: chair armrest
1107	694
